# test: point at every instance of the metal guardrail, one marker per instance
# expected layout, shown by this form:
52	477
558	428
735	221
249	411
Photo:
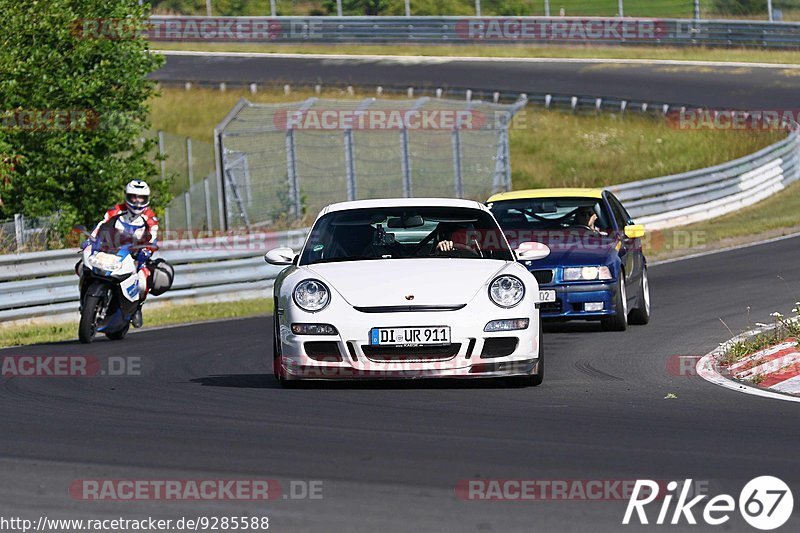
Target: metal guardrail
710	192
44	283
475	30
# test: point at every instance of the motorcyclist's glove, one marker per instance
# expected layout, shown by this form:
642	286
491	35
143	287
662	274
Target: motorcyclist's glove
87	242
143	255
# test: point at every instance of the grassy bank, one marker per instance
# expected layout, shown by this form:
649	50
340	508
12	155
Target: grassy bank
164	315
548	148
745	55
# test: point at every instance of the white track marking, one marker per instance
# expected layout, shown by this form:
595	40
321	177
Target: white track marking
451	59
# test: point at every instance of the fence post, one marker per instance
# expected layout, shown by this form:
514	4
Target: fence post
621	8
457	177
546	8
338	8
19	230
291	174
187	202
405	162
273	11
162	153
349	164
207	195
477	8
697	9
189	164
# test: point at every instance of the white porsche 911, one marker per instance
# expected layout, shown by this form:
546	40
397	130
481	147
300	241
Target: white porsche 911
406	288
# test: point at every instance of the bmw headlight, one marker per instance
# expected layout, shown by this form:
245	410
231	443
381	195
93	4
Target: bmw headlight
587	273
506	291
311	295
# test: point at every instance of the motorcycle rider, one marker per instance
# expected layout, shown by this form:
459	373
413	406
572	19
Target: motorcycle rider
139	224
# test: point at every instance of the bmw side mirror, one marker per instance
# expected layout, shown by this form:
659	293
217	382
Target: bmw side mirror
634	231
280	256
532	251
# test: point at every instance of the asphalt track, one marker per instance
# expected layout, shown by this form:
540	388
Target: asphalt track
389	456
711	85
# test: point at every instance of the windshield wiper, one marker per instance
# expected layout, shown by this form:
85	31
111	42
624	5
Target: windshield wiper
341	259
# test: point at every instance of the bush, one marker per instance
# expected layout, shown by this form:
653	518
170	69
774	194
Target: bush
48	67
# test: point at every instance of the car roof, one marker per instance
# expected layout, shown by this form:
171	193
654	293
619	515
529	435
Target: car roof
403	202
567	192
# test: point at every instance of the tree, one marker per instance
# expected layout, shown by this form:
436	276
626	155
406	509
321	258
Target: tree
74	98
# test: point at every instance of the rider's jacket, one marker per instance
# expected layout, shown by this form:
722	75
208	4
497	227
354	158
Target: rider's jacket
140	229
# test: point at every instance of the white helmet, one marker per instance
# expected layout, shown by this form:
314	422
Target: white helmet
134	190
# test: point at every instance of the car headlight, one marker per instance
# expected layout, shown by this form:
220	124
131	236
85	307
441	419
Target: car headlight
506	291
587	273
311	295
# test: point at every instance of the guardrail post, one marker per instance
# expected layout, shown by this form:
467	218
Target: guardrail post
477	8
458	179
408	8
546	8
621	8
338	8
273	11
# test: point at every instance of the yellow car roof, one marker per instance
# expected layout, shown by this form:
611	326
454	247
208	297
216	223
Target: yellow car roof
566	192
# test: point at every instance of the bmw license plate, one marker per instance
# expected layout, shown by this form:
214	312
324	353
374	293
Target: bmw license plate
547	296
417	336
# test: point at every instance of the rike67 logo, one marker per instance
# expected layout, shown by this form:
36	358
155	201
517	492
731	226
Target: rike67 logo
765	503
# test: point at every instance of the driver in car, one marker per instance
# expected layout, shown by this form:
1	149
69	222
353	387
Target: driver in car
586	216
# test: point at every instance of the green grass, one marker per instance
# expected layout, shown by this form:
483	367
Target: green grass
167	314
508	50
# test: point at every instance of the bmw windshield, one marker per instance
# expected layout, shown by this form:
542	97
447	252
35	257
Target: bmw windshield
405	233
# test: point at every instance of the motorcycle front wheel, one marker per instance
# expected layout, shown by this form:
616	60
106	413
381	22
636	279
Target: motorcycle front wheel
88	325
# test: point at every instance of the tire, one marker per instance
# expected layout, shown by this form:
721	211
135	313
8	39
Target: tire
618	322
87	328
641	315
276	359
536	379
119	335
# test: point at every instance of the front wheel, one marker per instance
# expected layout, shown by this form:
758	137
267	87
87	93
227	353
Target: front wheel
618	322
536	379
92	308
641	315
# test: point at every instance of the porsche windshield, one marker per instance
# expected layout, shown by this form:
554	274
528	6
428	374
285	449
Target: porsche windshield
405	232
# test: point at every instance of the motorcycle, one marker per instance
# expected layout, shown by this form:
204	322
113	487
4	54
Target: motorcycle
110	288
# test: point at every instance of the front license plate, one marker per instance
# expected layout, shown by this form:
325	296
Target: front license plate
547	296
422	336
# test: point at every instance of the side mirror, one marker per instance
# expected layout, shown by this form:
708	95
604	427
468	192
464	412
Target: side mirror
532	251
634	231
279	256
